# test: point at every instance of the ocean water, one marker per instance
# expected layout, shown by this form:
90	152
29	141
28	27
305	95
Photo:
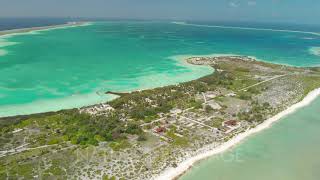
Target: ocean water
315	51
18	23
73	67
289	150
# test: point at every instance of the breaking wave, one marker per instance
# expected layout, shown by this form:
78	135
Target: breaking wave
315	51
3	52
246	28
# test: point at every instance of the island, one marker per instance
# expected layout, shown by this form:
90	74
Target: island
157	133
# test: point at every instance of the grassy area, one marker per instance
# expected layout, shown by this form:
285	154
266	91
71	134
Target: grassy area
77	128
120	129
119	145
309	82
216	122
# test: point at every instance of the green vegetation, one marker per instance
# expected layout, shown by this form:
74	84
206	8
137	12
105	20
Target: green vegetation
242	69
106	177
310	82
217	122
177	141
118	145
69	132
254	90
245	95
77	128
257	112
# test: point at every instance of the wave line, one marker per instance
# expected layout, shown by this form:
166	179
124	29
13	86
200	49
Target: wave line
247	28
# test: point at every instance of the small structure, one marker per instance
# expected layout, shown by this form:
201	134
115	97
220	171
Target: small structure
213	105
16	130
96	109
230	123
175	111
148	100
231	95
160	130
210	94
177	134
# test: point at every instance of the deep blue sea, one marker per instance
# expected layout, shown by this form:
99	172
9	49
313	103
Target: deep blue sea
18	23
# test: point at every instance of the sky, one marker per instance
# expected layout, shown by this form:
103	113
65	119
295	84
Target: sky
292	11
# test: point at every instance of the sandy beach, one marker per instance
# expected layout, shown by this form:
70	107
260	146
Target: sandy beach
174	173
27	30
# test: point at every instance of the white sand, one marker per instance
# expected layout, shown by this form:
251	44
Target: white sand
36	30
210	151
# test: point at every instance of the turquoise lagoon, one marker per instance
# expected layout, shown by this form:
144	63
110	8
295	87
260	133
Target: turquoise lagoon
73	67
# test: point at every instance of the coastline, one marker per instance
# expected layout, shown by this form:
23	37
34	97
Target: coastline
211	150
40	28
93	98
173	158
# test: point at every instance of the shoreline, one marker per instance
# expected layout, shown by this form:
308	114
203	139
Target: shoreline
210	150
157	156
40	28
96	99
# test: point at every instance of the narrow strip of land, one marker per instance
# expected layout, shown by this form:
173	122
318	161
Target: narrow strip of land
25	30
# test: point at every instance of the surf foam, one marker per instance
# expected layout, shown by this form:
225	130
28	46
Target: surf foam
247	28
5	43
315	51
3	52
